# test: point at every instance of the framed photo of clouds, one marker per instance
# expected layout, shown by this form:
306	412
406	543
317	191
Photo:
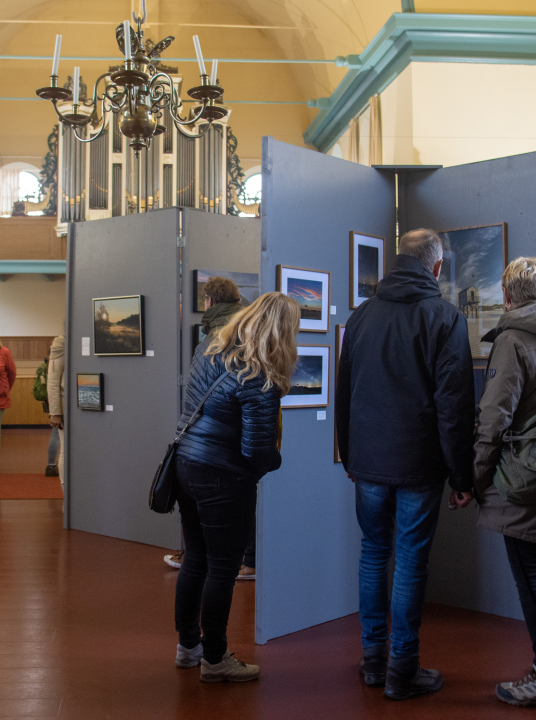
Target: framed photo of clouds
247	284
309	384
90	391
118	325
367	266
311	289
474	259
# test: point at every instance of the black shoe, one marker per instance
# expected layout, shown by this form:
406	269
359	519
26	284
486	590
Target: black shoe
51	471
373	665
406	679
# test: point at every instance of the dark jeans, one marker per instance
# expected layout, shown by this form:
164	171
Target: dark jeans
415	512
522	558
217	513
251	549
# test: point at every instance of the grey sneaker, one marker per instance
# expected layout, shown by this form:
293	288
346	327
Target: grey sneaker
228	670
522	692
188	658
175	560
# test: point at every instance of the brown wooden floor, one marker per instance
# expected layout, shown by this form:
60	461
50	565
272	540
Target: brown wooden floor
86	633
24	451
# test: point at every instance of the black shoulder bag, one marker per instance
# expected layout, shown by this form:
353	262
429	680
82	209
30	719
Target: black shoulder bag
163	494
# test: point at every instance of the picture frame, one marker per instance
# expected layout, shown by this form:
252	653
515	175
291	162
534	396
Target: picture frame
118	325
474	259
310	379
311	289
90	391
197	336
248	285
339	337
367	266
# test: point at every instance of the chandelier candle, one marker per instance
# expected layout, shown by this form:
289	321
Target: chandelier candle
128	47
199	54
214	72
76	85
56	61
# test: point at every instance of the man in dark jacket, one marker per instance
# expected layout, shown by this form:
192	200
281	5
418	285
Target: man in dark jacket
405	418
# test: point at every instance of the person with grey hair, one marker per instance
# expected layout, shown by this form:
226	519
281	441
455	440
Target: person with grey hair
505	449
405	418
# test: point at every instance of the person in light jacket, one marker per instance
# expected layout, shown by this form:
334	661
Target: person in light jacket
55	390
8	373
507	405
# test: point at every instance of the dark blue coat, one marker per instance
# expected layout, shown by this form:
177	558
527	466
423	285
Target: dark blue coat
405	398
236	429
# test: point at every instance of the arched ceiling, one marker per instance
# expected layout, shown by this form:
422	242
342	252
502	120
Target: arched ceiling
288	30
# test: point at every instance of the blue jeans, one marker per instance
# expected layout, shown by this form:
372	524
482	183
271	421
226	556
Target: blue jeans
416	513
53	446
522	558
217	513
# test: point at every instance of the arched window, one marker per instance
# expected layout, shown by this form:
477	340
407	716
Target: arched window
252	188
18	181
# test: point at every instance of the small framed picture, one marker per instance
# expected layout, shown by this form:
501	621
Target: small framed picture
118	325
90	391
367	266
311	289
339	337
197	336
309	384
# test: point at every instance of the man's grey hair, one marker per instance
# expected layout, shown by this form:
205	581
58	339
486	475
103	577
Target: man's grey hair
425	245
519	279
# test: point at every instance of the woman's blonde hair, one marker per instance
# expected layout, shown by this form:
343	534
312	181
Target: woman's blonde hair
261	339
519	279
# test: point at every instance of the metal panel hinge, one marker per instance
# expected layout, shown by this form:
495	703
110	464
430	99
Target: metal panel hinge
181	241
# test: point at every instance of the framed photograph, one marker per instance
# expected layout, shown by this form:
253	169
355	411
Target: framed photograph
118	325
339	337
309	385
367	266
474	259
90	391
197	336
248	285
311	289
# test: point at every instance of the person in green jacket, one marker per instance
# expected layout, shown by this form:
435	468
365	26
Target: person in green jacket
222	301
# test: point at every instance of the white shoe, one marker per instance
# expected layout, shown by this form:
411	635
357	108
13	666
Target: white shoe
188	658
522	692
228	670
174	560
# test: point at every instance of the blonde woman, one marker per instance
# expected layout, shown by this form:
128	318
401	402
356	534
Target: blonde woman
220	459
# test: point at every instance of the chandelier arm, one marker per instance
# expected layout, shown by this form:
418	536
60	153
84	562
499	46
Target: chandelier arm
179	121
64	120
97	135
199	134
96	97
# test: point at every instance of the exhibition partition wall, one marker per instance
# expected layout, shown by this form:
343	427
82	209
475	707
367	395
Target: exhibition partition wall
112	455
307	534
469	567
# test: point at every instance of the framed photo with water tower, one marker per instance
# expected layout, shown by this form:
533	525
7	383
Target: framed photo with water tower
118	325
474	259
367	266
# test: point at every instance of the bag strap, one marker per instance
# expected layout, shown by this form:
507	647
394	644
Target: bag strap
198	408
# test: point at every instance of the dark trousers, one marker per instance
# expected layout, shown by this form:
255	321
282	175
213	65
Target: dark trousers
217	514
522	558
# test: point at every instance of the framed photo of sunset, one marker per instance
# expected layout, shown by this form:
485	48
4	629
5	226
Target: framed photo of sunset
311	289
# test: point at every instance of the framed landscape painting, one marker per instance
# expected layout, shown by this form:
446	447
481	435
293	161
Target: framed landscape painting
474	259
309	384
90	391
118	325
339	337
311	289
247	284
367	266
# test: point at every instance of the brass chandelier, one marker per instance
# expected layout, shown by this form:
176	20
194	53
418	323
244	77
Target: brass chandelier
138	93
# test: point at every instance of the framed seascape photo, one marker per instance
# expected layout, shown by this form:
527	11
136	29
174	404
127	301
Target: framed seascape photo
90	391
247	283
311	289
367	266
473	261
339	337
197	336
118	325
309	384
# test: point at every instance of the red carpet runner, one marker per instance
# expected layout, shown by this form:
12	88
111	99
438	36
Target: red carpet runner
26	486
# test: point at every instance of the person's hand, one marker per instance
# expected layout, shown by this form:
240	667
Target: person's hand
350	477
56	421
459	499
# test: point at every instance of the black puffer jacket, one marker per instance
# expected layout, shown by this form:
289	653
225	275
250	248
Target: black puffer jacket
405	398
236	429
